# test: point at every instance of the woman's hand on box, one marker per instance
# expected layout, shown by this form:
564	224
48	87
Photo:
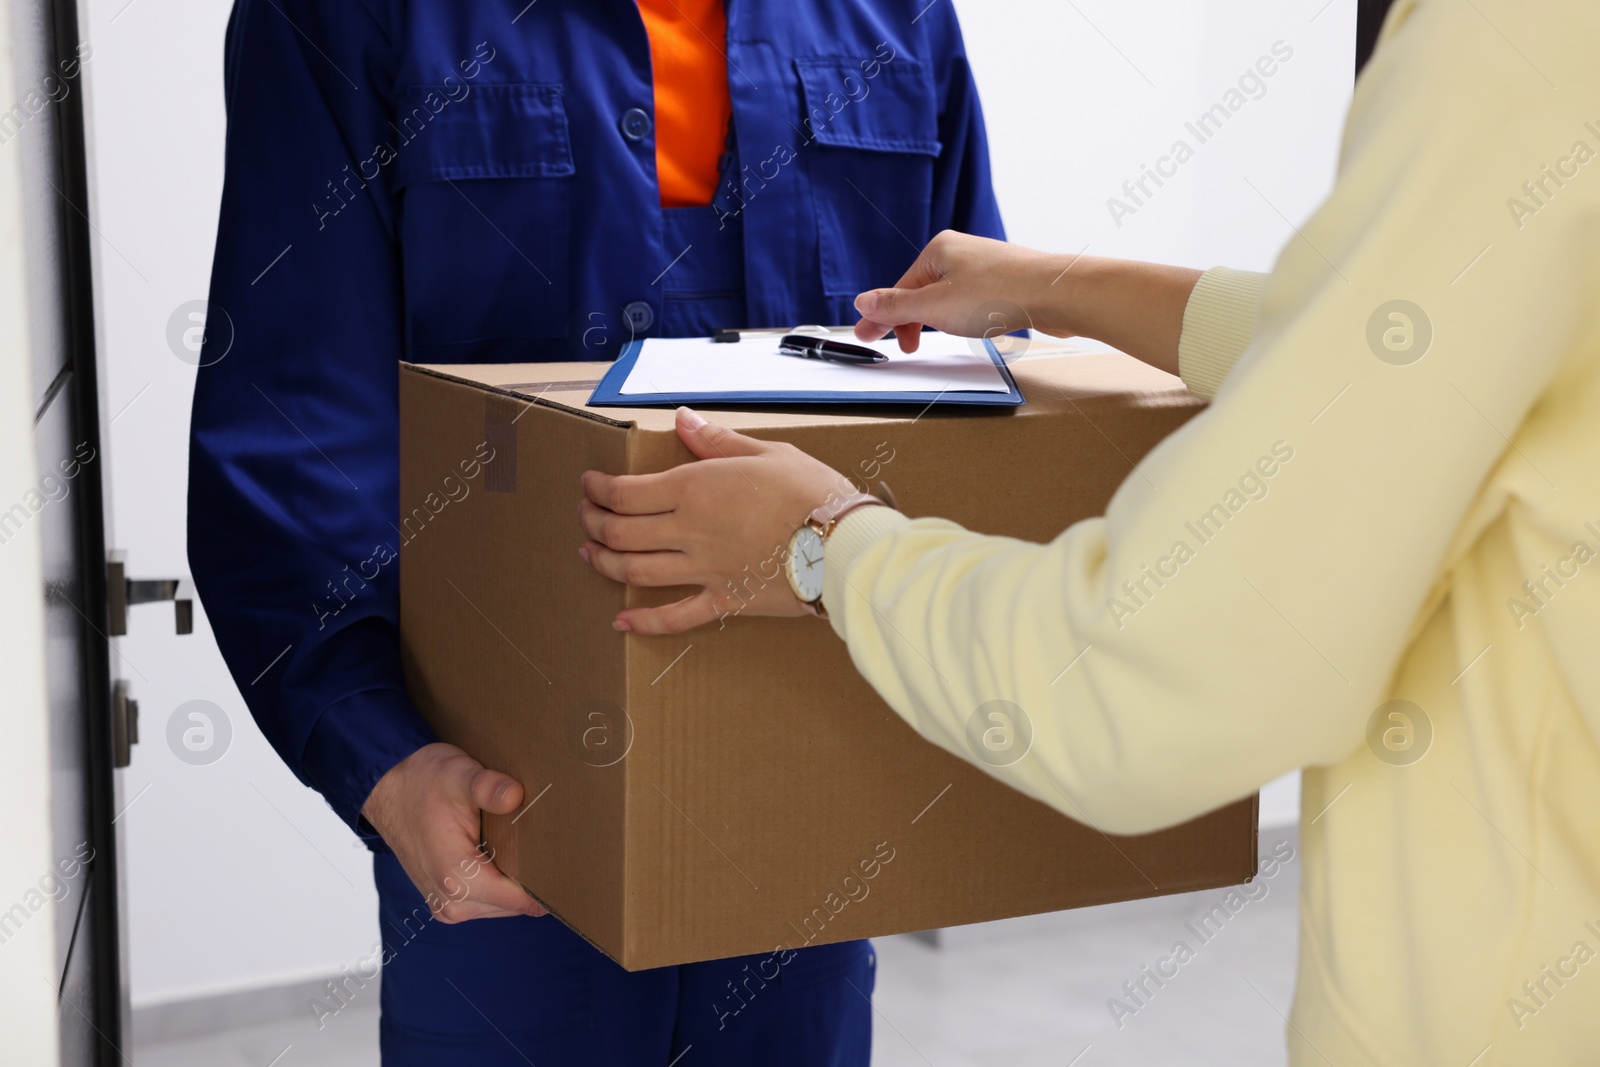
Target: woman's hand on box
428	807
722	523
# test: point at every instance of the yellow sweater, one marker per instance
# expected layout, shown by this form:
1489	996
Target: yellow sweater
1384	502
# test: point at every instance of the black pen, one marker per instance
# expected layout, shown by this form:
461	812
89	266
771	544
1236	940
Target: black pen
799	344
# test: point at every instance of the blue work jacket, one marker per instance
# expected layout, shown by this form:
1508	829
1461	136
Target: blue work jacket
450	181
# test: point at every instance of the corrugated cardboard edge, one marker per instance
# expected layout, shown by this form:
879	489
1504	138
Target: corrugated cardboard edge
1255	836
417	368
630	772
509	854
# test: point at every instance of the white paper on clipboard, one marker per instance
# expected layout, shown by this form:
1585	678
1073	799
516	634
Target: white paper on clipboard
942	364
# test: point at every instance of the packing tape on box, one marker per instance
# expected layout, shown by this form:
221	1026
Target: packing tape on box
500	414
540	388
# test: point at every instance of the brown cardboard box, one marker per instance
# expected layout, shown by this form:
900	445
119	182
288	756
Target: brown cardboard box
742	790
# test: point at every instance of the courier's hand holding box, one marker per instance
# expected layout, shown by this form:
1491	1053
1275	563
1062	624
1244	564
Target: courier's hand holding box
741	790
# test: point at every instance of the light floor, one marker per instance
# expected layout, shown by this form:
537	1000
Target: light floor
1017	993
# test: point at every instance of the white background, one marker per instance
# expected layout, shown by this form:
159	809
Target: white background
240	877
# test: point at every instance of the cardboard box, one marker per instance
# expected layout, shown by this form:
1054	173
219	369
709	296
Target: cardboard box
742	790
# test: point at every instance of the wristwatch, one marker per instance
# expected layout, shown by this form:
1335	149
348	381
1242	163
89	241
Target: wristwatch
808	548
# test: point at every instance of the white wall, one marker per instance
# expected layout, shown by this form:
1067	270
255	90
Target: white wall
237	875
1080	95
30	964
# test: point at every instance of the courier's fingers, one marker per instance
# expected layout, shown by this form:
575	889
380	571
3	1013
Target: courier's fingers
673	618
626	533
643	569
632	494
495	792
488	895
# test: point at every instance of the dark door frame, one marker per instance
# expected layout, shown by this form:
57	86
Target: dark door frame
1369	21
104	920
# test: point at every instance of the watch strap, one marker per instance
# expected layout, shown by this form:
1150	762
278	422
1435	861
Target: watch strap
827	516
826	519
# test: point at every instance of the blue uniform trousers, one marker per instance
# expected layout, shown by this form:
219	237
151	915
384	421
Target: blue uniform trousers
519	991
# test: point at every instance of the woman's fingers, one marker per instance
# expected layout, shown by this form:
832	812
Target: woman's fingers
705	606
627	533
707	440
705	525
648	569
905	311
633	494
910	303
867	330
893	307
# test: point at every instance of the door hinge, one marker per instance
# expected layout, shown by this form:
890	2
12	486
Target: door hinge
124	724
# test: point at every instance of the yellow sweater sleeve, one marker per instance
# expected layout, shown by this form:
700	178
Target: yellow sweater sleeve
1240	608
1218	324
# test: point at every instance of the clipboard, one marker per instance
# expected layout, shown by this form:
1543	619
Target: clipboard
939	383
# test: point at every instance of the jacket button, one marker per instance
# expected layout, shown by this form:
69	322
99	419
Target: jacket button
639	316
636	124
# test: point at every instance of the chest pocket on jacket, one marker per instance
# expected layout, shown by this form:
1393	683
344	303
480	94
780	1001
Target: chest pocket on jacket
484	233
871	166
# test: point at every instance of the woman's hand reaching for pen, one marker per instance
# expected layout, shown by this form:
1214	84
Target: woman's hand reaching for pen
977	287
965	285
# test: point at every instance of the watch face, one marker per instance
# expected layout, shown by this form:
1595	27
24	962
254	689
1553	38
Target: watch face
805	564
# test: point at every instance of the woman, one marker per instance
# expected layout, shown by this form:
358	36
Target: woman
1424	382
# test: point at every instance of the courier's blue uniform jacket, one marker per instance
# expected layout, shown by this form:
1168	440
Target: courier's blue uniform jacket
455	182
474	181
